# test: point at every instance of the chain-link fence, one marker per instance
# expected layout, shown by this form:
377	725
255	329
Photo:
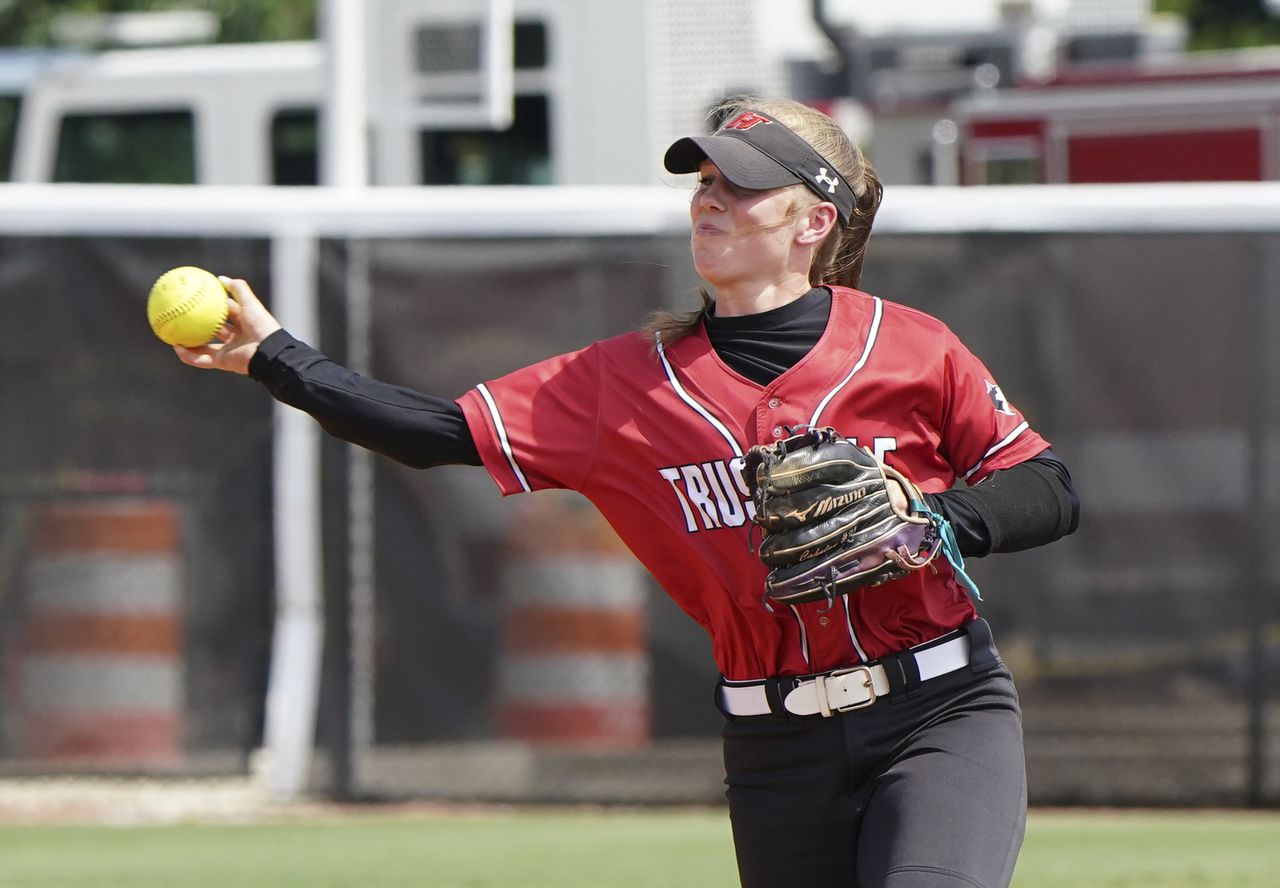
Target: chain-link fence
486	649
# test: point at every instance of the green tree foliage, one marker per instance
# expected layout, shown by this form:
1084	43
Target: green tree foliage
1225	24
28	22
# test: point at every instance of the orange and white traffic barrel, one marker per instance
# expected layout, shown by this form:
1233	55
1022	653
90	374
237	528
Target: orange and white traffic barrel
99	665
575	663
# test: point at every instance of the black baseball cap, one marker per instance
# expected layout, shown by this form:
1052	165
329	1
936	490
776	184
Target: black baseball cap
754	151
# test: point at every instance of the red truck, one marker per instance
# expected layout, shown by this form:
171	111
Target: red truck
1210	118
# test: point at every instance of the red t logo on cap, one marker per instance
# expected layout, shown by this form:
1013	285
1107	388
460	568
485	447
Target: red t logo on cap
746	120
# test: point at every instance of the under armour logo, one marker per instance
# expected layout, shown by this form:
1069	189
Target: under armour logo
830	181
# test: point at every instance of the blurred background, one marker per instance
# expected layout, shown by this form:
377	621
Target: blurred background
194	583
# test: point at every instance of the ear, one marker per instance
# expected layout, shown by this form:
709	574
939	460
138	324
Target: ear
813	225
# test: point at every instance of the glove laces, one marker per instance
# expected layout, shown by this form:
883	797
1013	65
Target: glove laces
950	547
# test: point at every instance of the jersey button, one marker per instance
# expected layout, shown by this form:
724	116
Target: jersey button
774	403
777	431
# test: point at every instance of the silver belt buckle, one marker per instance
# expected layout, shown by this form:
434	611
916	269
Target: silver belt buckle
824	703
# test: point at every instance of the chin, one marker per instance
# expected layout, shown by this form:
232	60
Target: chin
710	274
710	268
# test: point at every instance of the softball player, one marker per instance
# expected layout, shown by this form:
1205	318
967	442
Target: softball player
874	740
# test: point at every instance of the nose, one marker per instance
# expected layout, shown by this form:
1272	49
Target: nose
709	196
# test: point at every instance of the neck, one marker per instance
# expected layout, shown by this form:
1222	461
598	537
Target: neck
747	298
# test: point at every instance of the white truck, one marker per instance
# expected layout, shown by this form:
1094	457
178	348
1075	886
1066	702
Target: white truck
594	92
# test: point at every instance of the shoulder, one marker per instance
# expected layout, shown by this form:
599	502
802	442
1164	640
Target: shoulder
631	341
624	348
630	346
625	354
902	318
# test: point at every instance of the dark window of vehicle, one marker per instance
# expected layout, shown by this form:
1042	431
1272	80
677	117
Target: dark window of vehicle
295	154
153	147
520	155
530	47
1010	171
9	107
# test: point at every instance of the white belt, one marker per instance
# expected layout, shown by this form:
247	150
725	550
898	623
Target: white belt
843	689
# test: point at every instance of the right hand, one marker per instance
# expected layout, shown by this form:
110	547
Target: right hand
248	323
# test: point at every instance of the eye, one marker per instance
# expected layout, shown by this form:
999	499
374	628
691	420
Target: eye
709	180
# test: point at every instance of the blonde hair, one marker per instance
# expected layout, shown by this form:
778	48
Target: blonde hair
838	261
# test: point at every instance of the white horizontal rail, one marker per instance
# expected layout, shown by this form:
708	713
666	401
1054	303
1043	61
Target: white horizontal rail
428	211
608	210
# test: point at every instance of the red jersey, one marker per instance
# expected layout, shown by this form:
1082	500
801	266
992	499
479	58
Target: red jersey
654	436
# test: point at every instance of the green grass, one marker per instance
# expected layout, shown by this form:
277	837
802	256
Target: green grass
1209	849
593	849
565	850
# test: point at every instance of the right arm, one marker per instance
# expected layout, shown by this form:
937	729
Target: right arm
410	427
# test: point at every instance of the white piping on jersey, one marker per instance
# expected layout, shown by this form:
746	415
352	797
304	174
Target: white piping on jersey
853	636
1000	445
728	436
804	636
872	332
688	399
502	435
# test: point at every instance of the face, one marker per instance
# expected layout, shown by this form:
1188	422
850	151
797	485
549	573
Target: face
740	235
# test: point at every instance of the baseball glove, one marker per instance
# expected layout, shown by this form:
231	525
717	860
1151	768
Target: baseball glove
829	523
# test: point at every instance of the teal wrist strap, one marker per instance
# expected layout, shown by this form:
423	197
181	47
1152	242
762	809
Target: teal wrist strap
950	548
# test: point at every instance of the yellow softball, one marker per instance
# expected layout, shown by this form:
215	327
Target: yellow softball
186	307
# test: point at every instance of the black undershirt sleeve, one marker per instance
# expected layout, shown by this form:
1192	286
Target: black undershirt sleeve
1027	505
417	430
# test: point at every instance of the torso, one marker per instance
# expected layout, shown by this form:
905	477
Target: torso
656	440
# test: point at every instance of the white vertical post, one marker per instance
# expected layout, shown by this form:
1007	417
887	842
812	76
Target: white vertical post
293	688
345	159
360	530
344	149
499	64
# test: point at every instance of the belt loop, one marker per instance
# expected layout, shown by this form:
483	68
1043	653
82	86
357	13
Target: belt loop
906	661
897	677
982	648
824	704
776	695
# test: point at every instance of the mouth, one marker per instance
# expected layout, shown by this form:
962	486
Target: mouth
704	229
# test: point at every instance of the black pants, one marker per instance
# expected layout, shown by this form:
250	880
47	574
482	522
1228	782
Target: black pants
926	791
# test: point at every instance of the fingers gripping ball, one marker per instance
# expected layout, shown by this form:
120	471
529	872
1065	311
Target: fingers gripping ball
829	521
187	306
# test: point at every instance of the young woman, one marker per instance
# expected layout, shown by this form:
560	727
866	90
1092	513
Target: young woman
923	783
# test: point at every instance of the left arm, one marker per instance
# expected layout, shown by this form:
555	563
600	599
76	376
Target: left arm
1021	507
